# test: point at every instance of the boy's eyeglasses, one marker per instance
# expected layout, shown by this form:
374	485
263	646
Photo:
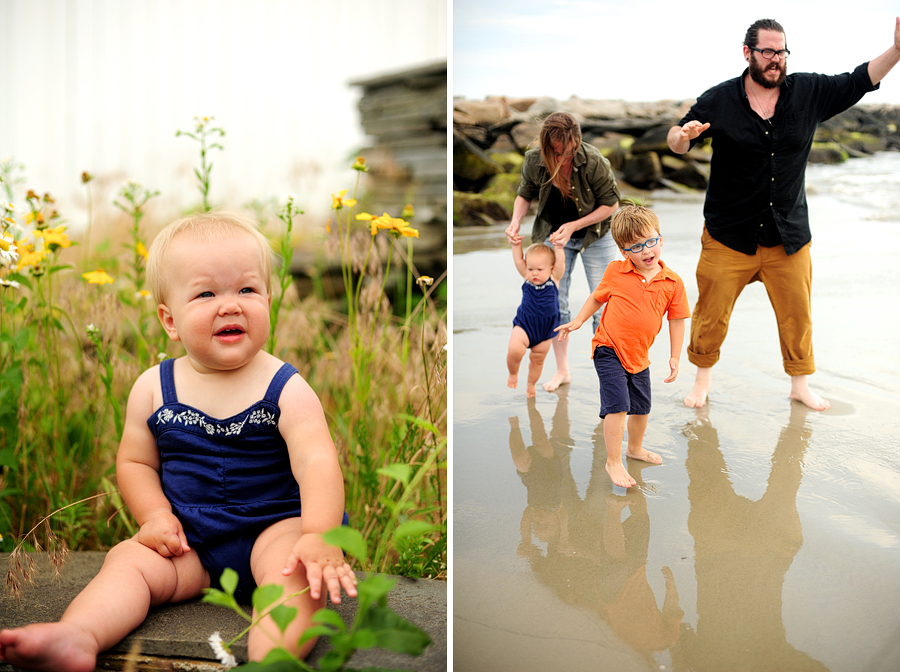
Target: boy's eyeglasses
650	242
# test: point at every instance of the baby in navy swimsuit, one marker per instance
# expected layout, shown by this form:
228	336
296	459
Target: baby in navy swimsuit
218	448
542	267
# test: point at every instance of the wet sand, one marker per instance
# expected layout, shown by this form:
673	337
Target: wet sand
769	539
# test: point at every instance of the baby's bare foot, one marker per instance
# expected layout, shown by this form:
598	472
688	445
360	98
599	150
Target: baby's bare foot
558	379
644	456
512	382
619	475
530	391
51	647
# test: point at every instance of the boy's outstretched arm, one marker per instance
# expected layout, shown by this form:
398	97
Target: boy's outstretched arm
559	263
676	338
590	307
137	473
315	465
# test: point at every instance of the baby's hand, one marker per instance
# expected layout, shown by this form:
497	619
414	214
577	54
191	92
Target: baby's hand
164	534
515	241
323	563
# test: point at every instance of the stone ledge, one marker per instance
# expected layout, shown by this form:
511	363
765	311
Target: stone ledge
174	637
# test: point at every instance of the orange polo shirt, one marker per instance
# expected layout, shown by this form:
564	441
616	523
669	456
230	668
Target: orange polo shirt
634	310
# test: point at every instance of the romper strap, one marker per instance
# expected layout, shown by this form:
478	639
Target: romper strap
167	380
278	382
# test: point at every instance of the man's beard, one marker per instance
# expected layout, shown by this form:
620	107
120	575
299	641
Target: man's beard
757	73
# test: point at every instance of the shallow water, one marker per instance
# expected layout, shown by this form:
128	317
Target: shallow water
770	537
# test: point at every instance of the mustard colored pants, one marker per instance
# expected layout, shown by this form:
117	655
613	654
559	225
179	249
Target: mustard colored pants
722	274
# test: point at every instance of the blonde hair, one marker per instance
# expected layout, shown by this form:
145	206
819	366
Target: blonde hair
631	222
559	127
541	247
206	227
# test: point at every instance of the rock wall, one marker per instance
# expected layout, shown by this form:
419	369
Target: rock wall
490	137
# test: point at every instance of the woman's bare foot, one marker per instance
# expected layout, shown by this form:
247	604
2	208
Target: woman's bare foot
619	474
644	456
697	396
800	392
52	647
559	378
513	381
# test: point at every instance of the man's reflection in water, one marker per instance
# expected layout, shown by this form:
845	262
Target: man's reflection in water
593	559
742	550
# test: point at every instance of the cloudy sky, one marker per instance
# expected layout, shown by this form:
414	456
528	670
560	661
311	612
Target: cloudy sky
646	50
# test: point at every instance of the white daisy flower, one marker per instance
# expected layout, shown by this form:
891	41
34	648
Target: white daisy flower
224	655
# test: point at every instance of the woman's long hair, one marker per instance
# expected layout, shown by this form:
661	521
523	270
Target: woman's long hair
559	127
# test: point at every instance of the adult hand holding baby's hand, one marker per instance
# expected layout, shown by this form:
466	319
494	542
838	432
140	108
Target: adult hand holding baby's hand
164	534
324	563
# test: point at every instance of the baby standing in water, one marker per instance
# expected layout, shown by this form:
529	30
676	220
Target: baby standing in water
542	266
218	447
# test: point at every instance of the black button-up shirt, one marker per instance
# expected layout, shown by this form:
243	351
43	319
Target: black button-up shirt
758	166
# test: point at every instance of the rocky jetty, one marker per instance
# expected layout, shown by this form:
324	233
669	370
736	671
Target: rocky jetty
490	138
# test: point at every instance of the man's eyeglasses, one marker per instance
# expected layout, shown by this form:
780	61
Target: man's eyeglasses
769	54
650	242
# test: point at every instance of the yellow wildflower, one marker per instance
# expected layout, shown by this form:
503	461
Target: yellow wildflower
28	256
425	281
375	223
140	249
338	202
400	227
408	212
54	238
360	165
97	277
328	226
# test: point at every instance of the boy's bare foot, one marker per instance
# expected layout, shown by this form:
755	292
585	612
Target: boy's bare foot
644	456
52	647
513	381
559	378
696	398
800	392
619	474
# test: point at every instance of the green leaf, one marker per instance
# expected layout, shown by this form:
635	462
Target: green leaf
414	528
283	615
398	471
313	632
329	617
265	595
347	539
213	596
374	588
8	458
395	633
229	580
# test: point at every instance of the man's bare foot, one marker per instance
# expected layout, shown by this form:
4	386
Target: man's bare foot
512	382
52	647
530	391
644	456
697	396
559	378
619	474
800	392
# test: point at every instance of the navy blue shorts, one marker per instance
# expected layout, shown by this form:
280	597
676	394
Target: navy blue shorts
620	390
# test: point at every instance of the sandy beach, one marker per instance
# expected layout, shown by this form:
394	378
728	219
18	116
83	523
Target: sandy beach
769	539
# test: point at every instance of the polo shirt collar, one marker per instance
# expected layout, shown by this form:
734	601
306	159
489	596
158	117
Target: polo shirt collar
628	267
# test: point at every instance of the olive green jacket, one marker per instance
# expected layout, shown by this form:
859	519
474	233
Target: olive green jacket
592	181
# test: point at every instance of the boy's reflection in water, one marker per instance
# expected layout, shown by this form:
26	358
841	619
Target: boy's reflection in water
742	550
593	559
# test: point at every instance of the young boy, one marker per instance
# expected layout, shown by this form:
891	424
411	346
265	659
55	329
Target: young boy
542	267
638	291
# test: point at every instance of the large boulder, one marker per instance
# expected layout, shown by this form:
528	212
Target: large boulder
472	167
644	171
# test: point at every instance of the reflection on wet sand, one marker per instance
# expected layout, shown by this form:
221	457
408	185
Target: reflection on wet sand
742	551
582	549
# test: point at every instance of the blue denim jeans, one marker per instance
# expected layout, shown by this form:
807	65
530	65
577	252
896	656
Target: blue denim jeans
595	258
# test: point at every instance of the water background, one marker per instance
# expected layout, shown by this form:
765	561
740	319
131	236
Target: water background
778	528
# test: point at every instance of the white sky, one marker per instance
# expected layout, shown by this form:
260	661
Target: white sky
645	50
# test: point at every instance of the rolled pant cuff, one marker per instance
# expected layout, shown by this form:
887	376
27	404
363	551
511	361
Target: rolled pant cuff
802	367
703	361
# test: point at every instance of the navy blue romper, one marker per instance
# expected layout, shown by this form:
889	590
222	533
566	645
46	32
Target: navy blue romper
227	480
538	315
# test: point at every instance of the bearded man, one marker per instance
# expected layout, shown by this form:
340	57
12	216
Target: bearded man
762	126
